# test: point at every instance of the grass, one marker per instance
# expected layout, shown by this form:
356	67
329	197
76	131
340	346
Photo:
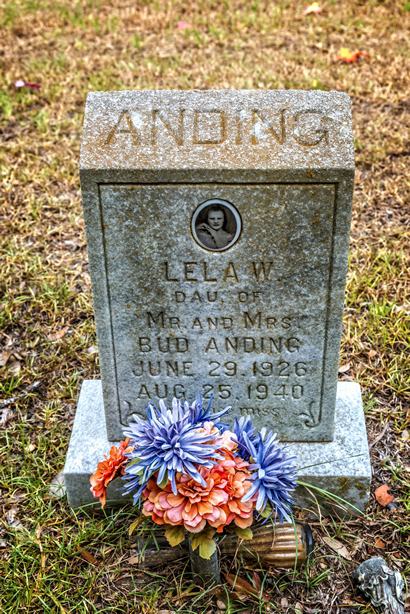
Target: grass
52	560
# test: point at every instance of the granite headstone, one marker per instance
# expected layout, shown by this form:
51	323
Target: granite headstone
218	228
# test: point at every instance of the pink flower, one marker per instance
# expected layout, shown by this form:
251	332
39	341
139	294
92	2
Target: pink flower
183	25
218	503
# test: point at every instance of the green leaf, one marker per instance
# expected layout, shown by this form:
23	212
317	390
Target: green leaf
266	512
196	540
207	547
244	533
175	535
164	481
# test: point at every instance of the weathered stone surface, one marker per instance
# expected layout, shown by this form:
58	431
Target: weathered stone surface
251	312
341	466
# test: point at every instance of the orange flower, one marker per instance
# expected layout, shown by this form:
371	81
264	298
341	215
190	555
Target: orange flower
218	503
108	469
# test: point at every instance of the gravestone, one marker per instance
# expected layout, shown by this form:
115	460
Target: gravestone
218	228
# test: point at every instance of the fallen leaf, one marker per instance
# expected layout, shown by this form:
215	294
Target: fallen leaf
372	353
221	604
29	84
5	416
405	436
379	543
86	554
134	560
344	368
241	586
350	57
135	524
4	356
12	520
313	9
14	367
58	335
338	547
382	495
92	349
183	25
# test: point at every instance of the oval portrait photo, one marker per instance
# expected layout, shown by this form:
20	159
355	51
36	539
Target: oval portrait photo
216	225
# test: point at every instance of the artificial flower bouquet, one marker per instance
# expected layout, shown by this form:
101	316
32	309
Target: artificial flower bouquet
192	474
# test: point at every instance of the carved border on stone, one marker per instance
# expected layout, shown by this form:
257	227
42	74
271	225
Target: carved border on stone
311	419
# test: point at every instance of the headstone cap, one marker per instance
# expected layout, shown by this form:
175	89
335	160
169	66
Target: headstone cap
217	129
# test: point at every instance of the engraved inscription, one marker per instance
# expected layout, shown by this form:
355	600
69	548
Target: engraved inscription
245	326
214	127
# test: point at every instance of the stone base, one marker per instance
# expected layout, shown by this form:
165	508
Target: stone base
341	466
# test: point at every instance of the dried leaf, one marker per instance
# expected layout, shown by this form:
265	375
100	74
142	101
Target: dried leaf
350	57
58	335
12	520
134	560
86	554
382	495
344	368
5	416
379	543
313	9
15	367
241	586
405	436
4	356
337	547
135	524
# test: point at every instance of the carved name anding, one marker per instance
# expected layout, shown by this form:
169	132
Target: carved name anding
142	127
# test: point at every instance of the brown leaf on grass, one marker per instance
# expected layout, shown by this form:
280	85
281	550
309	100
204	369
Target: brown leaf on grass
347	56
382	495
134	560
12	520
5	416
86	554
15	367
338	547
242	588
58	335
344	368
379	543
4	356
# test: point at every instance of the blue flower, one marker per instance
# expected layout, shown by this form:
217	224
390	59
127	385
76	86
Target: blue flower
166	442
273	475
198	414
240	426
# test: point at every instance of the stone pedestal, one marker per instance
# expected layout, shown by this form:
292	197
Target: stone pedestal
341	466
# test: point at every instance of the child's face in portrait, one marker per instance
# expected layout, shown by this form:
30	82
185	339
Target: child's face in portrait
216	219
